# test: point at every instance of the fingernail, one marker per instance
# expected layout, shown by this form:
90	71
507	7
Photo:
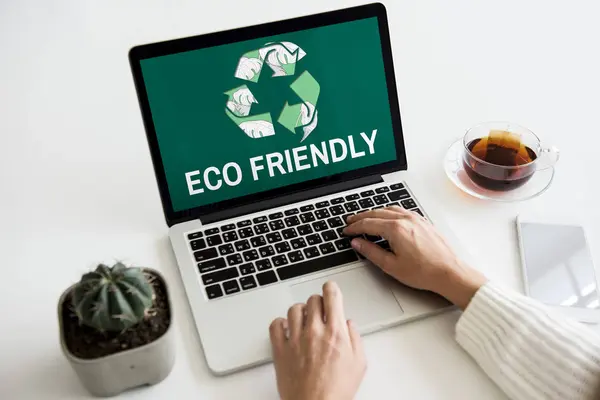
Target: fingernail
355	244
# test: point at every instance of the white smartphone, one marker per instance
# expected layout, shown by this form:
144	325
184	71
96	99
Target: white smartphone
557	266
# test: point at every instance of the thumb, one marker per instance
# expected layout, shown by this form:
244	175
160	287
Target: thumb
378	256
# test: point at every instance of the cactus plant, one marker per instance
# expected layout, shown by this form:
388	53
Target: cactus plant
112	298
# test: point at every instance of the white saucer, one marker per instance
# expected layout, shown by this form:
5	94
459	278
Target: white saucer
538	184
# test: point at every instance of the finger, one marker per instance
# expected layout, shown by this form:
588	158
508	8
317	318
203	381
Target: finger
314	310
370	226
296	320
394	212
333	305
277	336
378	256
355	338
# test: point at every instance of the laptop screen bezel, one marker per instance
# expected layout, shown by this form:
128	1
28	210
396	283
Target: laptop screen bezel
141	52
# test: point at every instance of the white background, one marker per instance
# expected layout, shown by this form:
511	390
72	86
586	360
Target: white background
77	185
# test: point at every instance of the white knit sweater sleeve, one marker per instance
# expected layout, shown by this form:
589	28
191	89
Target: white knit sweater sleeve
531	352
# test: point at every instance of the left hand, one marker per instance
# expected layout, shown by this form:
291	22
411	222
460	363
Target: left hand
321	355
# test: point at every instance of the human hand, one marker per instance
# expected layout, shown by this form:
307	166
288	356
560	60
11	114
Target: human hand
420	256
322	356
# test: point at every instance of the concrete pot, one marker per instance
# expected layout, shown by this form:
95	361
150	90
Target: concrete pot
110	375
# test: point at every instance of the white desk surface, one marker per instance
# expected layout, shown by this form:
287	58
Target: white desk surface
77	183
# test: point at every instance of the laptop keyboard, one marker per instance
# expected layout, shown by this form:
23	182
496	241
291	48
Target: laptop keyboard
283	245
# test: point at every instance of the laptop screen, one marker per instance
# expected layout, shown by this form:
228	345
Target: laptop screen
256	115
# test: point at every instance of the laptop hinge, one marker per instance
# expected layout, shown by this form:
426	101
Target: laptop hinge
291	198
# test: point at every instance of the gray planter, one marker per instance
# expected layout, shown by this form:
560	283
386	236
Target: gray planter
115	373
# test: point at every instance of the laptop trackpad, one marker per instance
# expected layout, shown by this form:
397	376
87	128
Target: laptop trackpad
367	298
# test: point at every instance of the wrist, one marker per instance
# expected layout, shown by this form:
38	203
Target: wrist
460	284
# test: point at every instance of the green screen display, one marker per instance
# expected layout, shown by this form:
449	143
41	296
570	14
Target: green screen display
251	116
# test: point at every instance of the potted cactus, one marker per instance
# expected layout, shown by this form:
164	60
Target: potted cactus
115	328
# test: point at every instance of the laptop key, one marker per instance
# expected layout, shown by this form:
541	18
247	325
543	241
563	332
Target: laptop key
262	265
408	204
282	247
266	278
313	239
309	207
214	291
234	259
322	214
337	200
337	210
227	227
367	193
327	248
335	222
226	249
376	208
298	243
242	245
352	206
399	195
395	203
211	265
382	189
329	235
366	203
343	244
276	225
247	268
373	239
248	282
322	204
250	255
219	276
419	212
279	260
246	232
319	226
292	211
211	231
274	237
198	244
295	256
206	254
292	221
214	240
307	217
351	197
289	233
195	235
397	186
305	230
311	252
258	241
275	215
241	224
317	264
231	287
230	237
381	199
266	251
258	220
261	228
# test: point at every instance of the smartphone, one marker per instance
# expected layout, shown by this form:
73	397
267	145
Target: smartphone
557	266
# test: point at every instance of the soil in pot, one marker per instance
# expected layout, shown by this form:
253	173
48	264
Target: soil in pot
87	343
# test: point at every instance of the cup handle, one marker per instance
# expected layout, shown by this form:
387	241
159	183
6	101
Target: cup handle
548	158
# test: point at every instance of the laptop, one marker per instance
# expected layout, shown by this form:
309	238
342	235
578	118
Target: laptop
264	139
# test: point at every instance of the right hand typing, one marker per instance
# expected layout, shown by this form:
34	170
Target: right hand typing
420	257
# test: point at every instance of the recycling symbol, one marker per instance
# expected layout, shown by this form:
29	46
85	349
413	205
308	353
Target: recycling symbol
281	58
